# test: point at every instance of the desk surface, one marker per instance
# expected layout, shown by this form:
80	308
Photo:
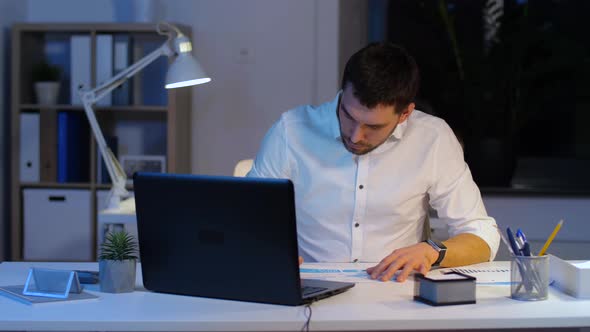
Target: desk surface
367	306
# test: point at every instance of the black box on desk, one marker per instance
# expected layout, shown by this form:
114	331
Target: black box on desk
446	289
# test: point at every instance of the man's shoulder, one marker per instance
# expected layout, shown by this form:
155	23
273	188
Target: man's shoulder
308	114
426	122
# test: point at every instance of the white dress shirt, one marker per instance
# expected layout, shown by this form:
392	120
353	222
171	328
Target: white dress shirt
360	208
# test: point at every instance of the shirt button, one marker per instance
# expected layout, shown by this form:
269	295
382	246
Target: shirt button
357	224
361	186
355	260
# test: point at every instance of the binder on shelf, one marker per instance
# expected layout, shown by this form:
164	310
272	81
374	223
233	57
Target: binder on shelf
137	53
73	153
29	147
104	64
153	77
79	66
48	132
121	60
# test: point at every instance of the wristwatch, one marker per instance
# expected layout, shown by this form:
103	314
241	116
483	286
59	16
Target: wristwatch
440	248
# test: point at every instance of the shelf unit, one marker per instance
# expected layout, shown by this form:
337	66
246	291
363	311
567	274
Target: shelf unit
28	48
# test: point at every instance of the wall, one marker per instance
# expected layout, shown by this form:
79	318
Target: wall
265	57
10	11
70	10
353	30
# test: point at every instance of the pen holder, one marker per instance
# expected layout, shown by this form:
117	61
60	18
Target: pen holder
529	278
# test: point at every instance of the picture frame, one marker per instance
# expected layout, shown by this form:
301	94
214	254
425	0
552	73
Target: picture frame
142	163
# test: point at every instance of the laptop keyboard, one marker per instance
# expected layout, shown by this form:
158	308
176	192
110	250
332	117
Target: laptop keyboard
308	290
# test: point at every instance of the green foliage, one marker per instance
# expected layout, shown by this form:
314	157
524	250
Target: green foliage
118	246
44	72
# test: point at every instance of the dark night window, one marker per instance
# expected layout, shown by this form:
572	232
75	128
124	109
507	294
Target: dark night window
512	78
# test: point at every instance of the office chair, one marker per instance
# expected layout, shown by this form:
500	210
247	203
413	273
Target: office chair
243	167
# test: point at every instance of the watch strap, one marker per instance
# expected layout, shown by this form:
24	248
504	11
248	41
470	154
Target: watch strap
440	248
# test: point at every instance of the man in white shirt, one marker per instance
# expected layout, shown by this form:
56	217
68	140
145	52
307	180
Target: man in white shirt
366	167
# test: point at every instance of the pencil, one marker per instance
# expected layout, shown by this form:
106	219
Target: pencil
551	237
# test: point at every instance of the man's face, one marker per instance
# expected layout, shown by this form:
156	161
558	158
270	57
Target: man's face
363	129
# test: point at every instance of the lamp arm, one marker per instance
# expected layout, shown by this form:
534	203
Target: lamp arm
104	88
116	172
89	97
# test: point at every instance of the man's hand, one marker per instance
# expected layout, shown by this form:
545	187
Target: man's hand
300	260
418	257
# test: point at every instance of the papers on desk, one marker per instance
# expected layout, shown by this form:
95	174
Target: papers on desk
483	276
335	274
16	293
485	273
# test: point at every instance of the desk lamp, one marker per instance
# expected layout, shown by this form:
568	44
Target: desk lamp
184	71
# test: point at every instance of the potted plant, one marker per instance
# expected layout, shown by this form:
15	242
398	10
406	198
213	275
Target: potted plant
46	79
117	263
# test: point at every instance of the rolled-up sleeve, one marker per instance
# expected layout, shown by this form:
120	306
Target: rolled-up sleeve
456	197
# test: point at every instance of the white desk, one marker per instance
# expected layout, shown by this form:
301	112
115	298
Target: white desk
367	306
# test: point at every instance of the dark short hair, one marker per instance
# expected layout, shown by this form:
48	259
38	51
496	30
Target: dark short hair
382	73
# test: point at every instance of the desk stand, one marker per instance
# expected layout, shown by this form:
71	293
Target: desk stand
52	283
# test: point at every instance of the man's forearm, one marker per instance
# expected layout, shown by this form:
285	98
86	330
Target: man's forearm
465	249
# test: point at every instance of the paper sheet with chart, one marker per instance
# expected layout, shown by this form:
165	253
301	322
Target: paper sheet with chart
336	272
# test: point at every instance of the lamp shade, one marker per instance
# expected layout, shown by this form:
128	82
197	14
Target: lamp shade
185	70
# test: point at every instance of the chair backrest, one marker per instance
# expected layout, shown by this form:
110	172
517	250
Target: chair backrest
243	167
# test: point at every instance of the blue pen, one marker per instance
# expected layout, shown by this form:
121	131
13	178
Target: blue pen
519	243
512	241
524	245
520	234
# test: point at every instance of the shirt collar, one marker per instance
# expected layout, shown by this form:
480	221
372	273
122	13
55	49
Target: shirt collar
334	117
398	132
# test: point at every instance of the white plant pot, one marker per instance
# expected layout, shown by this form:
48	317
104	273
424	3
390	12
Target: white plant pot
47	92
117	276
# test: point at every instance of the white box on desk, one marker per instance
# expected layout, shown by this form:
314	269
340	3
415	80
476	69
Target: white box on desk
114	222
57	225
572	279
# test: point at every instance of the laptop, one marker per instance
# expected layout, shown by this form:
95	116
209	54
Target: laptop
222	237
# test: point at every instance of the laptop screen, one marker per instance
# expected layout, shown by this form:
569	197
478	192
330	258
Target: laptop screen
221	237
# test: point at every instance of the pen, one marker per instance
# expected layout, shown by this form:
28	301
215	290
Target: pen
523	244
520	234
526	249
519	243
512	241
551	237
503	237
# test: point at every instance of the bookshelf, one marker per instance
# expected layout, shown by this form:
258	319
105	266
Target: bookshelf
142	117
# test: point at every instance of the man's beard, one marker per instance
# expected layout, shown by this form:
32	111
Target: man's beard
357	149
363	148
